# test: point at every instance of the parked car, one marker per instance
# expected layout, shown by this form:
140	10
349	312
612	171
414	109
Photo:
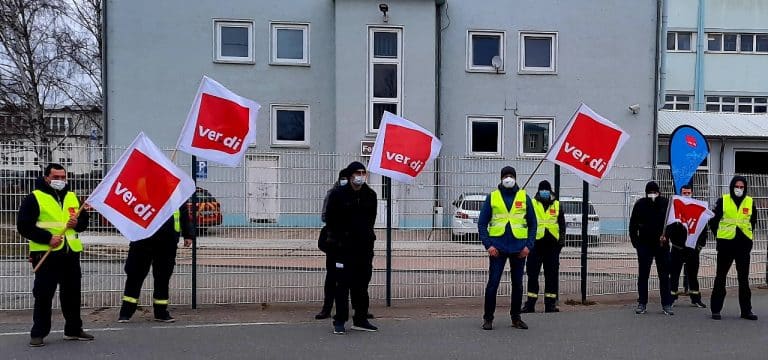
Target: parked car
467	210
464	220
208	214
571	208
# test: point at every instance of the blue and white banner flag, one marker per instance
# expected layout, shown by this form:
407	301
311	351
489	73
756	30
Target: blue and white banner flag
687	150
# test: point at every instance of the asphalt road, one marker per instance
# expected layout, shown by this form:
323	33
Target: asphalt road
602	333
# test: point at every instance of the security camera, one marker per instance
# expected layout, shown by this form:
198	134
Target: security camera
384	8
634	108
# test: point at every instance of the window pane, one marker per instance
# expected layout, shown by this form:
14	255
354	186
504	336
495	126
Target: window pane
683	106
663	155
745	108
290	44
537	135
385	44
684	41
234	41
683	98
729	99
761	100
762	43
714	42
729	42
290	125
715	108
485	136
667	106
713	99
746	42
484	48
761	109
745	100
378	112
538	51
385	80
671	41
729	108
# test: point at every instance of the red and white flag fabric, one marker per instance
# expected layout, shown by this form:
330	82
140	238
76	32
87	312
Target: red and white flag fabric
220	124
693	214
402	149
588	145
141	191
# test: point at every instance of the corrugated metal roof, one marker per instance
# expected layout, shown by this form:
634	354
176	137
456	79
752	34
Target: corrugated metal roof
715	124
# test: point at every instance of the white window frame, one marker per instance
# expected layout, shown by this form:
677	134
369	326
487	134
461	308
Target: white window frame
677	47
274	108
521	134
217	57
502	51
720	103
499	120
280	25
374	61
553	50
675	101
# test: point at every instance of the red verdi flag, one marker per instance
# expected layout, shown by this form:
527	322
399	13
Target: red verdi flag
402	149
693	214
141	191
588	145
220	124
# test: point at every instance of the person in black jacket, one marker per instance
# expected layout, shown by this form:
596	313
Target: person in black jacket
734	221
677	233
158	251
550	238
646	226
350	217
329	287
41	221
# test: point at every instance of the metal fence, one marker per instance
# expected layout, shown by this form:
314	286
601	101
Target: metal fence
264	250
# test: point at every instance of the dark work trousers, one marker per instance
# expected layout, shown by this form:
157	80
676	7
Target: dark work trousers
495	270
161	255
546	254
61	268
352	281
690	259
729	251
646	254
329	287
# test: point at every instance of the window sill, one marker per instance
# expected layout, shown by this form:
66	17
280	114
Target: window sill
291	146
483	156
280	63
238	62
536	72
486	70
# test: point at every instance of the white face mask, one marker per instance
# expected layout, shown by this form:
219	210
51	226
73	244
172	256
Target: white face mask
358	180
343	182
653	196
738	192
508	182
58	184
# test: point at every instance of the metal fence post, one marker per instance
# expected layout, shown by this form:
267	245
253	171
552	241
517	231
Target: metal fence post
194	231
388	191
584	239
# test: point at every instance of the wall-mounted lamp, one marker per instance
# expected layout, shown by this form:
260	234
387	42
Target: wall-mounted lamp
384	8
634	108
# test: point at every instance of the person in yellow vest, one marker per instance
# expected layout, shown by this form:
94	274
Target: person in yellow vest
159	251
733	226
507	228
48	219
550	238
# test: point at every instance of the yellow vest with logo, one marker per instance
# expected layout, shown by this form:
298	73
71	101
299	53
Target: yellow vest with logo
501	216
733	218
53	217
547	219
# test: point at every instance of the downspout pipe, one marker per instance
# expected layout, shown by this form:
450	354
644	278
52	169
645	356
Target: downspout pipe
657	87
698	92
438	50
104	88
663	53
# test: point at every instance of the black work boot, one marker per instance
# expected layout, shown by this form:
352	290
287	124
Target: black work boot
126	311
518	322
162	314
550	306
530	306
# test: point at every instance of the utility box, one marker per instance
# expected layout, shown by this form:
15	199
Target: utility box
437	217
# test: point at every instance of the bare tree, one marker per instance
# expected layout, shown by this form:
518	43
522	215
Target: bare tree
50	58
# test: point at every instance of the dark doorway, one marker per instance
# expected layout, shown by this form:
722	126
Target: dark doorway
751	162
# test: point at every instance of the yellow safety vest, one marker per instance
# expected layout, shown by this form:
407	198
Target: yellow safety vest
53	217
547	219
501	216
177	221
733	218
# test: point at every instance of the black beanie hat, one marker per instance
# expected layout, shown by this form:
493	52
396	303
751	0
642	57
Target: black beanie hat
354	166
508	170
544	185
651	186
344	173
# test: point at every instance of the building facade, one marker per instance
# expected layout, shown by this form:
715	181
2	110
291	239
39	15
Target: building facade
495	80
